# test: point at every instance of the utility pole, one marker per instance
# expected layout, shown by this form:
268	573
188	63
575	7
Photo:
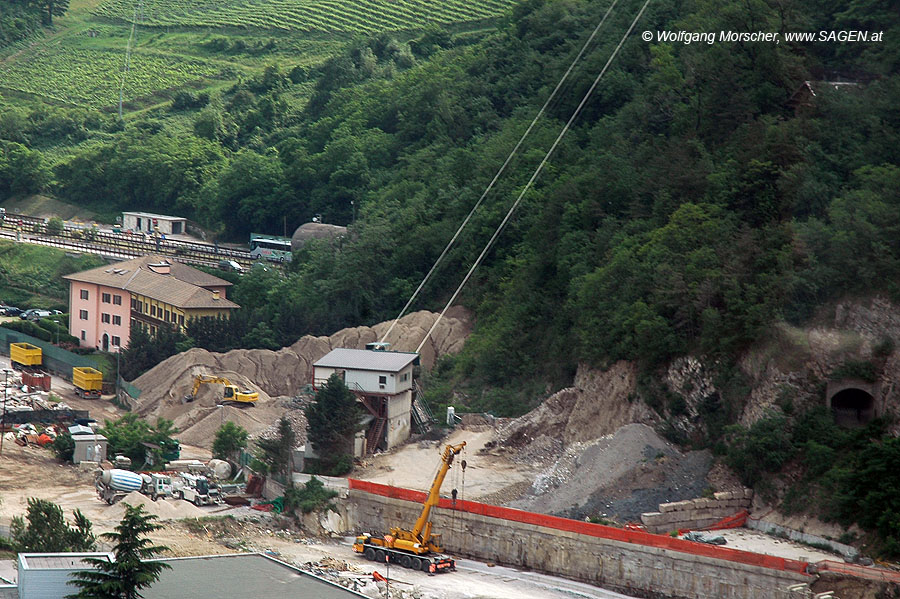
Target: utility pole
3	418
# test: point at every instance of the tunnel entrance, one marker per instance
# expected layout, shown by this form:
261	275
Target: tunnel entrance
853	408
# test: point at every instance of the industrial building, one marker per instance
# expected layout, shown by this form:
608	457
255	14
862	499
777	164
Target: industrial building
144	222
382	381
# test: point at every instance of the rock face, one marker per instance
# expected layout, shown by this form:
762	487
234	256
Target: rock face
282	373
599	403
308	231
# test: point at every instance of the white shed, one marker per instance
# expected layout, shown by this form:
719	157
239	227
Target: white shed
89	448
148	223
45	575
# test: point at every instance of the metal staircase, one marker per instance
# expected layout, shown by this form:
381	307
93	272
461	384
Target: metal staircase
422	417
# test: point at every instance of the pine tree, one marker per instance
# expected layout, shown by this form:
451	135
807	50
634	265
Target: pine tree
130	572
333	419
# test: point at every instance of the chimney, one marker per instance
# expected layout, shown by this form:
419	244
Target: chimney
216	294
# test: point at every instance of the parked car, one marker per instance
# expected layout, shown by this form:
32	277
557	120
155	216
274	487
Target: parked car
35	314
230	266
10	311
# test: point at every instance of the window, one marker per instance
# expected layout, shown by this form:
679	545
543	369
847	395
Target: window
83	334
167	316
105	298
181	319
116	341
134	304
117	320
82	314
84	294
405	377
382	380
152	310
117	300
104	318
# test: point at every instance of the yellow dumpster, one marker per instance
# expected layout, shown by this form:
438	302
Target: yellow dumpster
24	355
88	381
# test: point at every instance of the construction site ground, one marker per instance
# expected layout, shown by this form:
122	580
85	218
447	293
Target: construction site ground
641	462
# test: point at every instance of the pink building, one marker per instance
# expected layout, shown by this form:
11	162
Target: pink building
150	292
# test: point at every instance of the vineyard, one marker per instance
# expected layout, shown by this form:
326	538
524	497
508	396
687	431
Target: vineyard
91	77
329	16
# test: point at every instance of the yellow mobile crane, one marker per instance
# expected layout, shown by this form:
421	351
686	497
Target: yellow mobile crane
231	393
417	549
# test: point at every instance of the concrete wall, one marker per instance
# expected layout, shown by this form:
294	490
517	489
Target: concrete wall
631	568
696	514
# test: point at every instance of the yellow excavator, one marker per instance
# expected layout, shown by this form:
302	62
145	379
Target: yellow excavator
416	549
231	393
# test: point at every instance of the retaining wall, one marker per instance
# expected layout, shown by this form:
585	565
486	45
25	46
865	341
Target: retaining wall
696	514
632	562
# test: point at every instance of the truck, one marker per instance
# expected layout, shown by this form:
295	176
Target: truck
230	394
25	356
113	485
156	485
419	548
196	489
88	382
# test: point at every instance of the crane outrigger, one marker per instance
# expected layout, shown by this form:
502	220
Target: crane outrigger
418	548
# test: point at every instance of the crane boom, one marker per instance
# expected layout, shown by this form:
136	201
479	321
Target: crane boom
434	494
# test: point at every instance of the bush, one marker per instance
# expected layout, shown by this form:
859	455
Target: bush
311	497
855	369
64	447
764	447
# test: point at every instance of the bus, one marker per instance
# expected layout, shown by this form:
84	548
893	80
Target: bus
270	247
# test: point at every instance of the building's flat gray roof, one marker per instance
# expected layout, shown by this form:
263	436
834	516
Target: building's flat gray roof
58	561
88	438
156	216
238	577
367	359
9	592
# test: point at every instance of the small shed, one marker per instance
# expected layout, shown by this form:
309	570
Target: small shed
148	223
45	575
89	446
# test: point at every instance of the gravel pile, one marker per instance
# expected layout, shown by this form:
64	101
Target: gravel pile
618	477
297	418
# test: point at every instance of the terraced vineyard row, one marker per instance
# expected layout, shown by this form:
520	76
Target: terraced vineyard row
92	77
330	16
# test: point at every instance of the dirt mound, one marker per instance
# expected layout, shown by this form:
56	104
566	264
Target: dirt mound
164	509
274	374
598	404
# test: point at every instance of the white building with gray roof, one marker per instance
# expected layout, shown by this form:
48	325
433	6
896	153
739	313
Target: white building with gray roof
383	382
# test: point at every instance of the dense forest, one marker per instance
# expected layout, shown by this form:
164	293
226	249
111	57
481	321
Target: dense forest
691	204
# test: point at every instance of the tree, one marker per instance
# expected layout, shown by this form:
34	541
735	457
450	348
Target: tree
48	532
64	447
130	572
333	420
277	453
230	438
127	434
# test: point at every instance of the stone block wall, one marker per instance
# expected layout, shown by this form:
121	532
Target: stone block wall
627	567
698	513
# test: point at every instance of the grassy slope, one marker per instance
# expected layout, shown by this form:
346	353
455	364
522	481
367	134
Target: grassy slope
31	275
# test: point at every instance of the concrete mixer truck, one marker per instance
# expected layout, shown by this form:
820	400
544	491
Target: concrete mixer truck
113	485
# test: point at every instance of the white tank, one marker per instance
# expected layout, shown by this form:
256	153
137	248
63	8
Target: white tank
122	480
219	468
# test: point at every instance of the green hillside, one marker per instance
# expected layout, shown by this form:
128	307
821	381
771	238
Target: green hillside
325	16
